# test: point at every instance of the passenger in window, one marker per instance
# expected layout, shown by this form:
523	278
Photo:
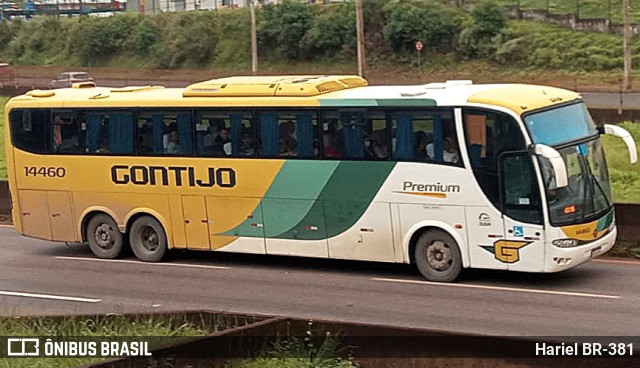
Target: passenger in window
221	142
420	146
288	147
247	146
450	152
331	149
173	147
376	146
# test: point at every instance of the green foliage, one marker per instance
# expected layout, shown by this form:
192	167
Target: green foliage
37	41
408	21
295	32
281	28
481	36
96	40
234	38
303	352
8	30
331	32
625	177
189	39
144	37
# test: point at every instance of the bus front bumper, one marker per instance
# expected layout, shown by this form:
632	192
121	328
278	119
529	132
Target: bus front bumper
560	259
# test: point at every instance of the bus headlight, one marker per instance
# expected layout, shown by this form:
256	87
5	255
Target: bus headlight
565	243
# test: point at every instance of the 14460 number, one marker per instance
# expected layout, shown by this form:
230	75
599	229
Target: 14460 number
51	172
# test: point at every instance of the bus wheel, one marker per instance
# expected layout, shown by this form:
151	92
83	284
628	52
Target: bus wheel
438	257
105	240
148	239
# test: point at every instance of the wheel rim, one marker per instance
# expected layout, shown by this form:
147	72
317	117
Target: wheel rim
149	239
439	256
105	236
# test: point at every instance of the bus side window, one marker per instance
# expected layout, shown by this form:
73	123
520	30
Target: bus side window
425	136
163	133
287	133
65	133
28	129
488	135
520	191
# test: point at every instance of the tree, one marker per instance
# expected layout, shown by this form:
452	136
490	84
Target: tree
481	36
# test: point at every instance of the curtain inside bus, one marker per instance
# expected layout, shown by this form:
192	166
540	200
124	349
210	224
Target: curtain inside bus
404	138
236	133
158	132
93	131
353	133
120	133
185	132
269	134
304	133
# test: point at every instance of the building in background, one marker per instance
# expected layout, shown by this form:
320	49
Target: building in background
159	6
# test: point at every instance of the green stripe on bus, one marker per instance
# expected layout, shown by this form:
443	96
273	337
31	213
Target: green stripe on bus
343	200
604	222
290	197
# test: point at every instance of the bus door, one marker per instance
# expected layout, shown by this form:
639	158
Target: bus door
196	222
523	246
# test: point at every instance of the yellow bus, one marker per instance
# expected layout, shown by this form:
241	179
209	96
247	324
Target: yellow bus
444	175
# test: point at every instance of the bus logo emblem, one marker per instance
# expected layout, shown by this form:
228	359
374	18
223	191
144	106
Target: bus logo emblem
506	251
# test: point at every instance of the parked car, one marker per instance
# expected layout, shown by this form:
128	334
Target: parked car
7	71
68	78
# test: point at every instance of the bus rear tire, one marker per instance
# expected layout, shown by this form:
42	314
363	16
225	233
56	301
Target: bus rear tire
103	236
438	256
148	239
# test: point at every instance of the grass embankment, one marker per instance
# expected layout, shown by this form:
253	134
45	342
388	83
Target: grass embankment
178	327
587	9
625	177
290	352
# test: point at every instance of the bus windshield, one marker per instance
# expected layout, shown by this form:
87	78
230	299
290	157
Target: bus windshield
588	193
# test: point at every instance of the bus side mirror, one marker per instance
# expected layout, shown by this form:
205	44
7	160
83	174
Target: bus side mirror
554	157
626	138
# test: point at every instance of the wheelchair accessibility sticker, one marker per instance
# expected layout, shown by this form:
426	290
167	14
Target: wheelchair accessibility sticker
518	231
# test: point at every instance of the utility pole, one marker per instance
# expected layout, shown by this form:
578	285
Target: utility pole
254	39
362	61
627	45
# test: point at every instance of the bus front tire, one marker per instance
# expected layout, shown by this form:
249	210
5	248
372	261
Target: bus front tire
103	236
148	239
438	256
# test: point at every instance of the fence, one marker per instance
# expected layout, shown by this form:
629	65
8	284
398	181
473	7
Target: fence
603	10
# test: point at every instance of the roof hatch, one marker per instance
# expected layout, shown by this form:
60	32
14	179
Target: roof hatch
284	86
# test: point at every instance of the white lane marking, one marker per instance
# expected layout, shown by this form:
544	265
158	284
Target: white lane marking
144	263
502	288
616	261
7	226
48	296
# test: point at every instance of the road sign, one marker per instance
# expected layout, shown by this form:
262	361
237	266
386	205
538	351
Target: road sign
418	45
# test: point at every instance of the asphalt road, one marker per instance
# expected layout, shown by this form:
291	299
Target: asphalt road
601	298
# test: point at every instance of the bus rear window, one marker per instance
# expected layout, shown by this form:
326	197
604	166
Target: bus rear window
28	129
